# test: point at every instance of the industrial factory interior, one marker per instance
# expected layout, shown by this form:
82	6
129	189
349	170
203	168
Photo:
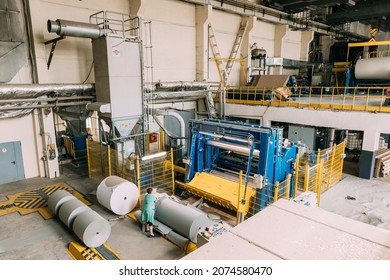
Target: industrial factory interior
261	128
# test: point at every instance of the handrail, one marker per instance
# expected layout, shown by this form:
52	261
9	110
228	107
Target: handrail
363	98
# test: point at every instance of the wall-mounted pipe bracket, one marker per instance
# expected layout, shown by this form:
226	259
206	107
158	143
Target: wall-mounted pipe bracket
53	43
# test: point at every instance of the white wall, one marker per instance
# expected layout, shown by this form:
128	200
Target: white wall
173	39
292	45
73	56
264	35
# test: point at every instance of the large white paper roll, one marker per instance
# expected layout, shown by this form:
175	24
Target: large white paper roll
377	68
70	210
91	228
57	198
117	194
183	219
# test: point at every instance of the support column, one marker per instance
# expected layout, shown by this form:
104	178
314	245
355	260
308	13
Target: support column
45	139
203	16
280	32
367	156
306	38
247	42
137	7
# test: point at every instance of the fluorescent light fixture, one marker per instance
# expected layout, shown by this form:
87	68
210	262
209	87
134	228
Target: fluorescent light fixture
154	156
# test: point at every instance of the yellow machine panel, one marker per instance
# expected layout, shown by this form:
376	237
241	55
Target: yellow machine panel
220	190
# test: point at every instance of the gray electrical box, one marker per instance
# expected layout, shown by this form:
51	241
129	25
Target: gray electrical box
304	134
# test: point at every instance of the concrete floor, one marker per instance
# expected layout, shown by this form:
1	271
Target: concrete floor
30	237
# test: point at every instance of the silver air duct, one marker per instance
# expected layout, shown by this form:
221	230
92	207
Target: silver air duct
74	29
20	99
8	91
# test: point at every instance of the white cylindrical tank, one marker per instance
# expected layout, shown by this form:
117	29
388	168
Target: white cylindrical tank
183	219
117	194
57	198
70	210
91	228
377	68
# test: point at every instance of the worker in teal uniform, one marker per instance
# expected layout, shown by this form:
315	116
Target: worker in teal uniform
148	208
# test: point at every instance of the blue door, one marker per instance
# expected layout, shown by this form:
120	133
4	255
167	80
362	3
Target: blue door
11	162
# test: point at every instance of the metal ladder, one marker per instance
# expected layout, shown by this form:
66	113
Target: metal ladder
226	70
236	47
217	55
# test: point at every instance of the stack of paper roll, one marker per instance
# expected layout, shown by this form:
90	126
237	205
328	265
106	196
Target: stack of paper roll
117	194
88	225
58	198
91	228
70	210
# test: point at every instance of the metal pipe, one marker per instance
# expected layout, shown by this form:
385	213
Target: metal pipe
175	94
44	106
74	29
233	147
46	99
35	90
224	136
181	85
181	121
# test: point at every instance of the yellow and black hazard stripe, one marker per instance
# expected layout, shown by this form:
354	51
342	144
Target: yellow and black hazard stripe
36	200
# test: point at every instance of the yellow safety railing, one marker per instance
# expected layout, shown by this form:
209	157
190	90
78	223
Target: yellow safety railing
318	174
156	172
369	99
69	146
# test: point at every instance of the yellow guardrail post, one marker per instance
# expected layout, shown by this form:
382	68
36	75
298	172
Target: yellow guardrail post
138	179
307	178
276	191
288	186
319	188
296	175
173	173
238	198
88	158
109	159
342	147
330	175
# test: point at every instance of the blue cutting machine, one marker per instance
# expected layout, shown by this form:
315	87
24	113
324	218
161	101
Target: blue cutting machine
231	147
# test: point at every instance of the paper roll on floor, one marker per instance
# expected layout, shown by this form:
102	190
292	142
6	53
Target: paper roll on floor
57	198
183	219
70	210
91	228
117	194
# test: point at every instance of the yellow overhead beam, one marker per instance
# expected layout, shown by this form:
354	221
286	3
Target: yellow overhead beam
370	43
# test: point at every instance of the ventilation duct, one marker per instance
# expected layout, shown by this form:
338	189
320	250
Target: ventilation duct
12	46
20	100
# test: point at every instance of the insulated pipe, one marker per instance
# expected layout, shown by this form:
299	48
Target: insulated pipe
179	85
74	29
8	91
181	121
233	147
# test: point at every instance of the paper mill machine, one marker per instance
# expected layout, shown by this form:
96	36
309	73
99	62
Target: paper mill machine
220	150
